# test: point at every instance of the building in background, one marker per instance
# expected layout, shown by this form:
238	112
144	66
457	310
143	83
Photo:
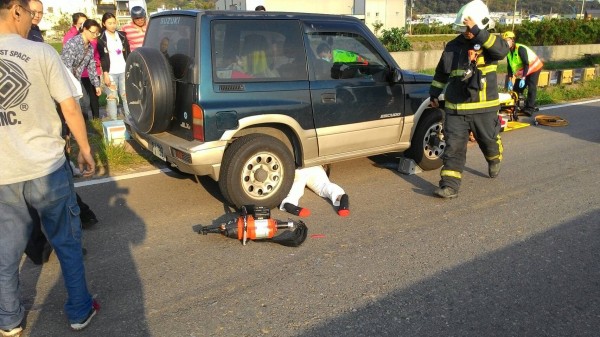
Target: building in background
390	13
55	10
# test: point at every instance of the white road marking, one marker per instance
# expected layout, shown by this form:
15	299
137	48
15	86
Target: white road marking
123	177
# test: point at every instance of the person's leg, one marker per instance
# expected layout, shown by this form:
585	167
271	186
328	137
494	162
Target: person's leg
111	99
486	128
120	79
456	135
37	241
15	229
88	91
290	203
87	216
94	102
319	183
54	197
532	83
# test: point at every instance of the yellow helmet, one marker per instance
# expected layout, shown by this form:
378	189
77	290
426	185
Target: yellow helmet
508	35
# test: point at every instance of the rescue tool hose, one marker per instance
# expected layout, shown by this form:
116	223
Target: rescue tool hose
548	120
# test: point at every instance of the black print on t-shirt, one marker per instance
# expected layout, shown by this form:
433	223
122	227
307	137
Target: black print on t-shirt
14	85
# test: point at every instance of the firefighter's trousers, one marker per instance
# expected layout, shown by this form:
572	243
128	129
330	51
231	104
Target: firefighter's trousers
485	128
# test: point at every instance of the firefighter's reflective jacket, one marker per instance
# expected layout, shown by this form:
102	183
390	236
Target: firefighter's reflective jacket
467	69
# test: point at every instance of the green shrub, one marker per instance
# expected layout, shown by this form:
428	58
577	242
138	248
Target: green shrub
556	32
395	40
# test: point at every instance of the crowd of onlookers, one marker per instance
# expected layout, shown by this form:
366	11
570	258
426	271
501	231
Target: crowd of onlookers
95	53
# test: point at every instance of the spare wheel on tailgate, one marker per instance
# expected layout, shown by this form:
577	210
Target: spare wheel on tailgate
150	90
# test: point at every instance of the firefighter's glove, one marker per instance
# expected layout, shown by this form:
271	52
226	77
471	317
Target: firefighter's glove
522	83
509	85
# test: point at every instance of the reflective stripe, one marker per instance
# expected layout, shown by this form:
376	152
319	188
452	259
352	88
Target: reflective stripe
500	150
484	70
488	69
457	73
438	84
450	173
472	106
483	91
516	64
490	41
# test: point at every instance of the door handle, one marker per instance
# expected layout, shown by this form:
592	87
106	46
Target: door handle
328	98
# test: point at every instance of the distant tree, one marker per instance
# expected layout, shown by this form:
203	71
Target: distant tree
63	25
377	26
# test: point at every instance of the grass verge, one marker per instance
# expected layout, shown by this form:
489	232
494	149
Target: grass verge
111	158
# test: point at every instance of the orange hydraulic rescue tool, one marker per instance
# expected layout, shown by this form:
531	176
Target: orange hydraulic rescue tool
260	226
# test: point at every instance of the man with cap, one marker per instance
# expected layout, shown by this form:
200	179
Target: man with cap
467	71
136	29
524	67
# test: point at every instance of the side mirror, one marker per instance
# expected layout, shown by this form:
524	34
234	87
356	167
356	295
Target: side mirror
396	75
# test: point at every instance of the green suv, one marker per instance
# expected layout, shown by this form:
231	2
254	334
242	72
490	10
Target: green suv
247	97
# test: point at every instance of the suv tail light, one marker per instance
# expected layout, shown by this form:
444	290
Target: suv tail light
198	122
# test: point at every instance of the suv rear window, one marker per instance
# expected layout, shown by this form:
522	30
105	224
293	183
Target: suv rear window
251	50
174	37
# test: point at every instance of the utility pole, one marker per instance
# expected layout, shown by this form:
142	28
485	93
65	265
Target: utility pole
412	4
514	14
582	7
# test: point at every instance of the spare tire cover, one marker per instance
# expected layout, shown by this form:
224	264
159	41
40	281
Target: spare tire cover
150	90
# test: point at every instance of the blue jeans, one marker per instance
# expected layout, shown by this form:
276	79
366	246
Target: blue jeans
53	198
117	84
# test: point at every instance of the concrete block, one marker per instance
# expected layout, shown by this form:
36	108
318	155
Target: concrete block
115	132
408	166
544	80
565	76
589	74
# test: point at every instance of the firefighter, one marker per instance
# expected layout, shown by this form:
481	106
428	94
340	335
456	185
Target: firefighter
524	68
467	70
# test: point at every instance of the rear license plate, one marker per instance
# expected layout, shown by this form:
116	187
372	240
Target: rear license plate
158	150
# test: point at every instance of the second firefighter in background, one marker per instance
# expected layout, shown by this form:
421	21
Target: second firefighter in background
467	70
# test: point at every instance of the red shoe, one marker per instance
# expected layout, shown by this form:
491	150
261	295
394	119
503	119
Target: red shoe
344	209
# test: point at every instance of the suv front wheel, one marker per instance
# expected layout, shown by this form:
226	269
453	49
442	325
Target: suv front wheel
257	170
428	144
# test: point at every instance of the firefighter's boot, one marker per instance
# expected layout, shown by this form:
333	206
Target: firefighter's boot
446	192
494	169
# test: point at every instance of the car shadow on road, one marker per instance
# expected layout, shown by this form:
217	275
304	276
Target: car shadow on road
545	285
111	272
390	162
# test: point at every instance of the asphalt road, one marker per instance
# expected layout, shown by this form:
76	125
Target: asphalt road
518	255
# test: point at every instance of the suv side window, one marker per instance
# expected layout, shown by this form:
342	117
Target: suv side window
344	55
174	37
250	50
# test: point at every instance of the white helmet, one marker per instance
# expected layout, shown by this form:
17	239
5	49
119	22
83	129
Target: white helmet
477	10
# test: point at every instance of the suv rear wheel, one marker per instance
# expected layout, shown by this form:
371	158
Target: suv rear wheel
257	170
428	144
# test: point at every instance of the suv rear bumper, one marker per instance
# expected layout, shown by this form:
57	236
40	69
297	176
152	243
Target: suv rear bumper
193	157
